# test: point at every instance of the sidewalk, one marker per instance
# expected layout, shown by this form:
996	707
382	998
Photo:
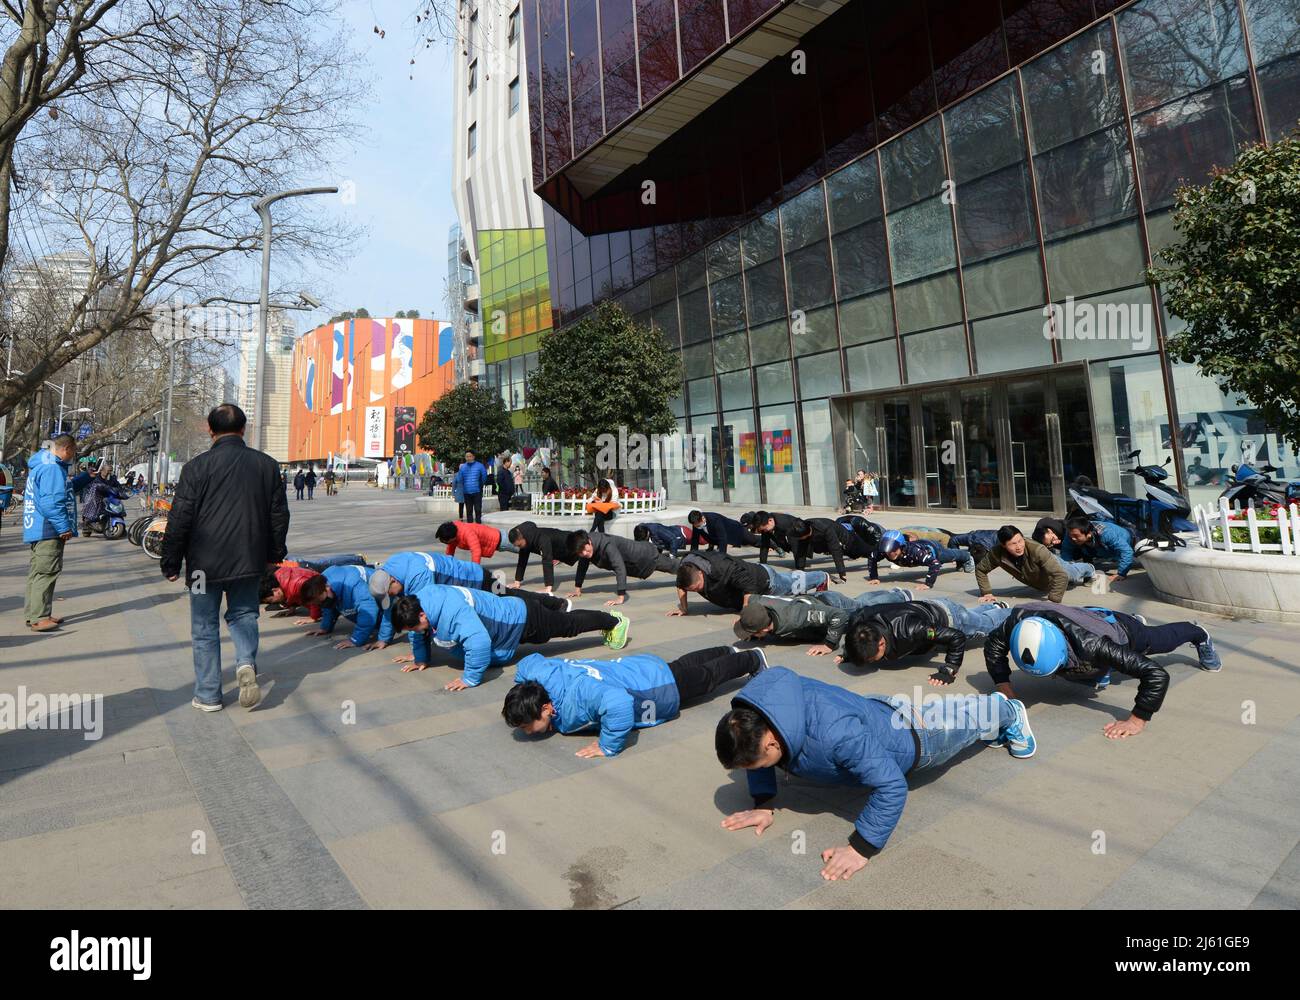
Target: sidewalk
425	799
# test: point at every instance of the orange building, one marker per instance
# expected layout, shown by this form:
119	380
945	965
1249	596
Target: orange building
361	386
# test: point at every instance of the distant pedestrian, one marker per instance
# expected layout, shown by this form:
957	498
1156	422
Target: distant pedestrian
505	484
228	523
310	480
549	483
473	475
299	483
49	520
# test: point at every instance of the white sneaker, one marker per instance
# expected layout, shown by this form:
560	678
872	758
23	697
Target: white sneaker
249	693
205	707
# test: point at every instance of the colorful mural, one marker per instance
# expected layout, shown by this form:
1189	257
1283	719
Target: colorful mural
411	365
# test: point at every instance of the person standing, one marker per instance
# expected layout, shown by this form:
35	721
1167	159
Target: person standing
505	484
472	477
228	523
299	484
49	520
310	480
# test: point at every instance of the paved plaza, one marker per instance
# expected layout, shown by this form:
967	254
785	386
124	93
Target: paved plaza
426	799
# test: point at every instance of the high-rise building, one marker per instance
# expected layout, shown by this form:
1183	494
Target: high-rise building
909	238
501	218
277	386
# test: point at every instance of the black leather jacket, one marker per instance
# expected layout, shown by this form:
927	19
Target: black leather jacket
1091	655
914	628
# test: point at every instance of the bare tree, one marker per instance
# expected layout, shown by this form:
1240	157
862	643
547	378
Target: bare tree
152	164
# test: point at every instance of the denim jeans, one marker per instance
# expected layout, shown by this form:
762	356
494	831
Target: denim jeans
320	563
978	620
984	538
1078	572
951	723
799	582
504	545
894	595
205	632
958	556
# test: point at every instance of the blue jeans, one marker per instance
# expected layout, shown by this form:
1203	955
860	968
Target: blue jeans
958	556
205	632
504	545
319	563
978	620
894	595
985	537
799	582
1078	572
951	723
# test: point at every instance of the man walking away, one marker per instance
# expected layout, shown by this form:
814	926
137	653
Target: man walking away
228	522
505	484
49	520
299	484
310	480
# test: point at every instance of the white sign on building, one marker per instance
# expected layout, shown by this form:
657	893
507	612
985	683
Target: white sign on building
374	432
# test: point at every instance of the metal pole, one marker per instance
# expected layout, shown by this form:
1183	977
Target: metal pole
164	460
263	206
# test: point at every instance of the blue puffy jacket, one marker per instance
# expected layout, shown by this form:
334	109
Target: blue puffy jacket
50	498
351	586
632	692
472	475
476	626
417	570
1109	541
835	737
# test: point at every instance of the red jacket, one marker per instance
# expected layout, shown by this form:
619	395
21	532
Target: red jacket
291	578
479	539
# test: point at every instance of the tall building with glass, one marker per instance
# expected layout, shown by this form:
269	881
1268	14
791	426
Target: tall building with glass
909	238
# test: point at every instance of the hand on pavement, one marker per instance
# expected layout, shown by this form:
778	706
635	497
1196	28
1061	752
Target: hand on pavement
841	863
1125	727
820	650
760	819
456	685
592	749
411	665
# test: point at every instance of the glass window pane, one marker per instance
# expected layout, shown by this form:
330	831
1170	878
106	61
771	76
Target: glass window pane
743	479
1073	91
1175	47
701	397
820	375
1275	39
731	352
1128	407
697	360
822	475
861	259
1004	284
872	366
814	331
727	295
913	166
1086	183
770	342
932	302
774	383
765	289
1011	342
779	451
920	240
760	241
868	318
935	355
736	390
695	317
1094	261
1117	323
808	273
854	194
803	219
724	257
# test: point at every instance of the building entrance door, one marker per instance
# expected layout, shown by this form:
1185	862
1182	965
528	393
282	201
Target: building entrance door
1001	445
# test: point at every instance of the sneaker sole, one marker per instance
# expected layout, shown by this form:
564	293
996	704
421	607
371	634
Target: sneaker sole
1022	716
249	693
205	708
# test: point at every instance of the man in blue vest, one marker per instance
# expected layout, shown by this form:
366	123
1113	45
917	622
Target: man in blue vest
616	696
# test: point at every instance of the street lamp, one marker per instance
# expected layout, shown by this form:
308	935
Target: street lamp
263	206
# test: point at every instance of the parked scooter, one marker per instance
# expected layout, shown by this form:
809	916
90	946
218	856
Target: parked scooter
1158	518
111	522
1252	485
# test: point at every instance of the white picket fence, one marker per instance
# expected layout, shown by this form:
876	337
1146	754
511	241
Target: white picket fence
1287	523
576	506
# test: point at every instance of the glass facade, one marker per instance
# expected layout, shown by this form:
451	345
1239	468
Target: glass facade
989	220
515	291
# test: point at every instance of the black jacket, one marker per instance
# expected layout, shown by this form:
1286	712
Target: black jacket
505	484
778	536
914	628
550	485
719	531
229	517
826	538
1091	655
549	544
727	579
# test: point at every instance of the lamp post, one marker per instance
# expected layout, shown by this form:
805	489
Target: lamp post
263	206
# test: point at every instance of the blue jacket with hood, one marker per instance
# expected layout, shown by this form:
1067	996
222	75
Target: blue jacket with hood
1109	541
352	599
632	692
417	570
833	736
477	627
50	498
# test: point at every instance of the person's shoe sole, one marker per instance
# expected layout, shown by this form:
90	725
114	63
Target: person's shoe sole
568	605
46	626
1030	745
203	707
249	693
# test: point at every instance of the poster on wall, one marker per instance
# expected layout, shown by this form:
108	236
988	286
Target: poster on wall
748	453
778	451
403	430
402	369
374	432
378	355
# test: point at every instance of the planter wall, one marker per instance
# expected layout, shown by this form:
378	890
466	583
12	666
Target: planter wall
1234	584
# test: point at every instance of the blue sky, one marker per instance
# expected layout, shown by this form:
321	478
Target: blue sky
401	169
